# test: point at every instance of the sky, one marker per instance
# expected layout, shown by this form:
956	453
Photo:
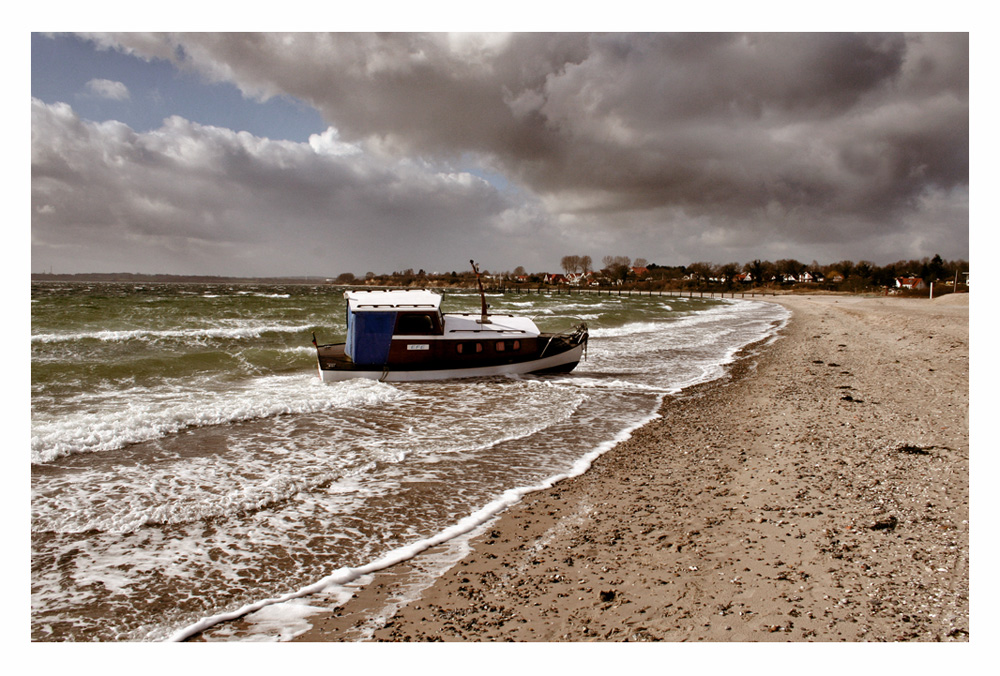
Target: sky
313	154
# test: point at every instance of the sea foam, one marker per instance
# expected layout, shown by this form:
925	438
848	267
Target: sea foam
249	331
130	416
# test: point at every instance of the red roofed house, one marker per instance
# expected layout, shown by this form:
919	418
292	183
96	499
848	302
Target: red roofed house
910	283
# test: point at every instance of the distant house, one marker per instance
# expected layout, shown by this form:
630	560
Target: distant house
910	283
555	279
836	277
640	272
577	278
744	277
812	277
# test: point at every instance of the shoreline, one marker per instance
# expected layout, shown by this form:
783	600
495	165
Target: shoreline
818	492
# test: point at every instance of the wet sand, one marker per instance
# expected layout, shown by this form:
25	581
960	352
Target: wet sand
818	493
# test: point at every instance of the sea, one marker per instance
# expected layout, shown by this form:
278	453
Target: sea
189	468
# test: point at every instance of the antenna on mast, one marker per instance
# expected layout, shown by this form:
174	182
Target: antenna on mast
482	294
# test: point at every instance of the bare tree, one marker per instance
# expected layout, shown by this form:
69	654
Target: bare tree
571	264
701	270
790	267
727	272
756	270
617	267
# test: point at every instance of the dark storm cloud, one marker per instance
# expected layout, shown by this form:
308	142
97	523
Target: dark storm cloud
799	142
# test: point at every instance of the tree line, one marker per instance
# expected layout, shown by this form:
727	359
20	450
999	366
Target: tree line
623	271
845	275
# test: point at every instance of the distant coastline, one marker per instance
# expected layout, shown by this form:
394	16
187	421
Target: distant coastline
190	279
139	278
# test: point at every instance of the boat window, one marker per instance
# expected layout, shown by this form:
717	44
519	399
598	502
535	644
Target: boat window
507	345
469	348
414	324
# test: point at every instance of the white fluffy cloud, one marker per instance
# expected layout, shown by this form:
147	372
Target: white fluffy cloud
108	89
199	199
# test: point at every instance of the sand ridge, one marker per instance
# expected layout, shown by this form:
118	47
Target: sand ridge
818	493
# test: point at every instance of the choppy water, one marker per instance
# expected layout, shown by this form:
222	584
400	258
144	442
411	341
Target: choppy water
187	461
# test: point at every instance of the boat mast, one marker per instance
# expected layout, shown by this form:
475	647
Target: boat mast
482	294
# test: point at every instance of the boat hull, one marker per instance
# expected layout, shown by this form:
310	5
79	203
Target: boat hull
562	362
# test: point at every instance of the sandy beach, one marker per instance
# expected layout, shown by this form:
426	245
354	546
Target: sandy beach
820	492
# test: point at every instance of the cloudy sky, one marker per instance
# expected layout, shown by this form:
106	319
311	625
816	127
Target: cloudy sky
314	154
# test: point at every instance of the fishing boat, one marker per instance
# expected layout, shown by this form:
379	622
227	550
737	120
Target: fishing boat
402	335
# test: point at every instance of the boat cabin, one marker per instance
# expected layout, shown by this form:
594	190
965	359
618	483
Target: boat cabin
408	328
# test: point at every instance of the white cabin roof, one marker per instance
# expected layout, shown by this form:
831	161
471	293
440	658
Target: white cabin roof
384	301
456	325
499	326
